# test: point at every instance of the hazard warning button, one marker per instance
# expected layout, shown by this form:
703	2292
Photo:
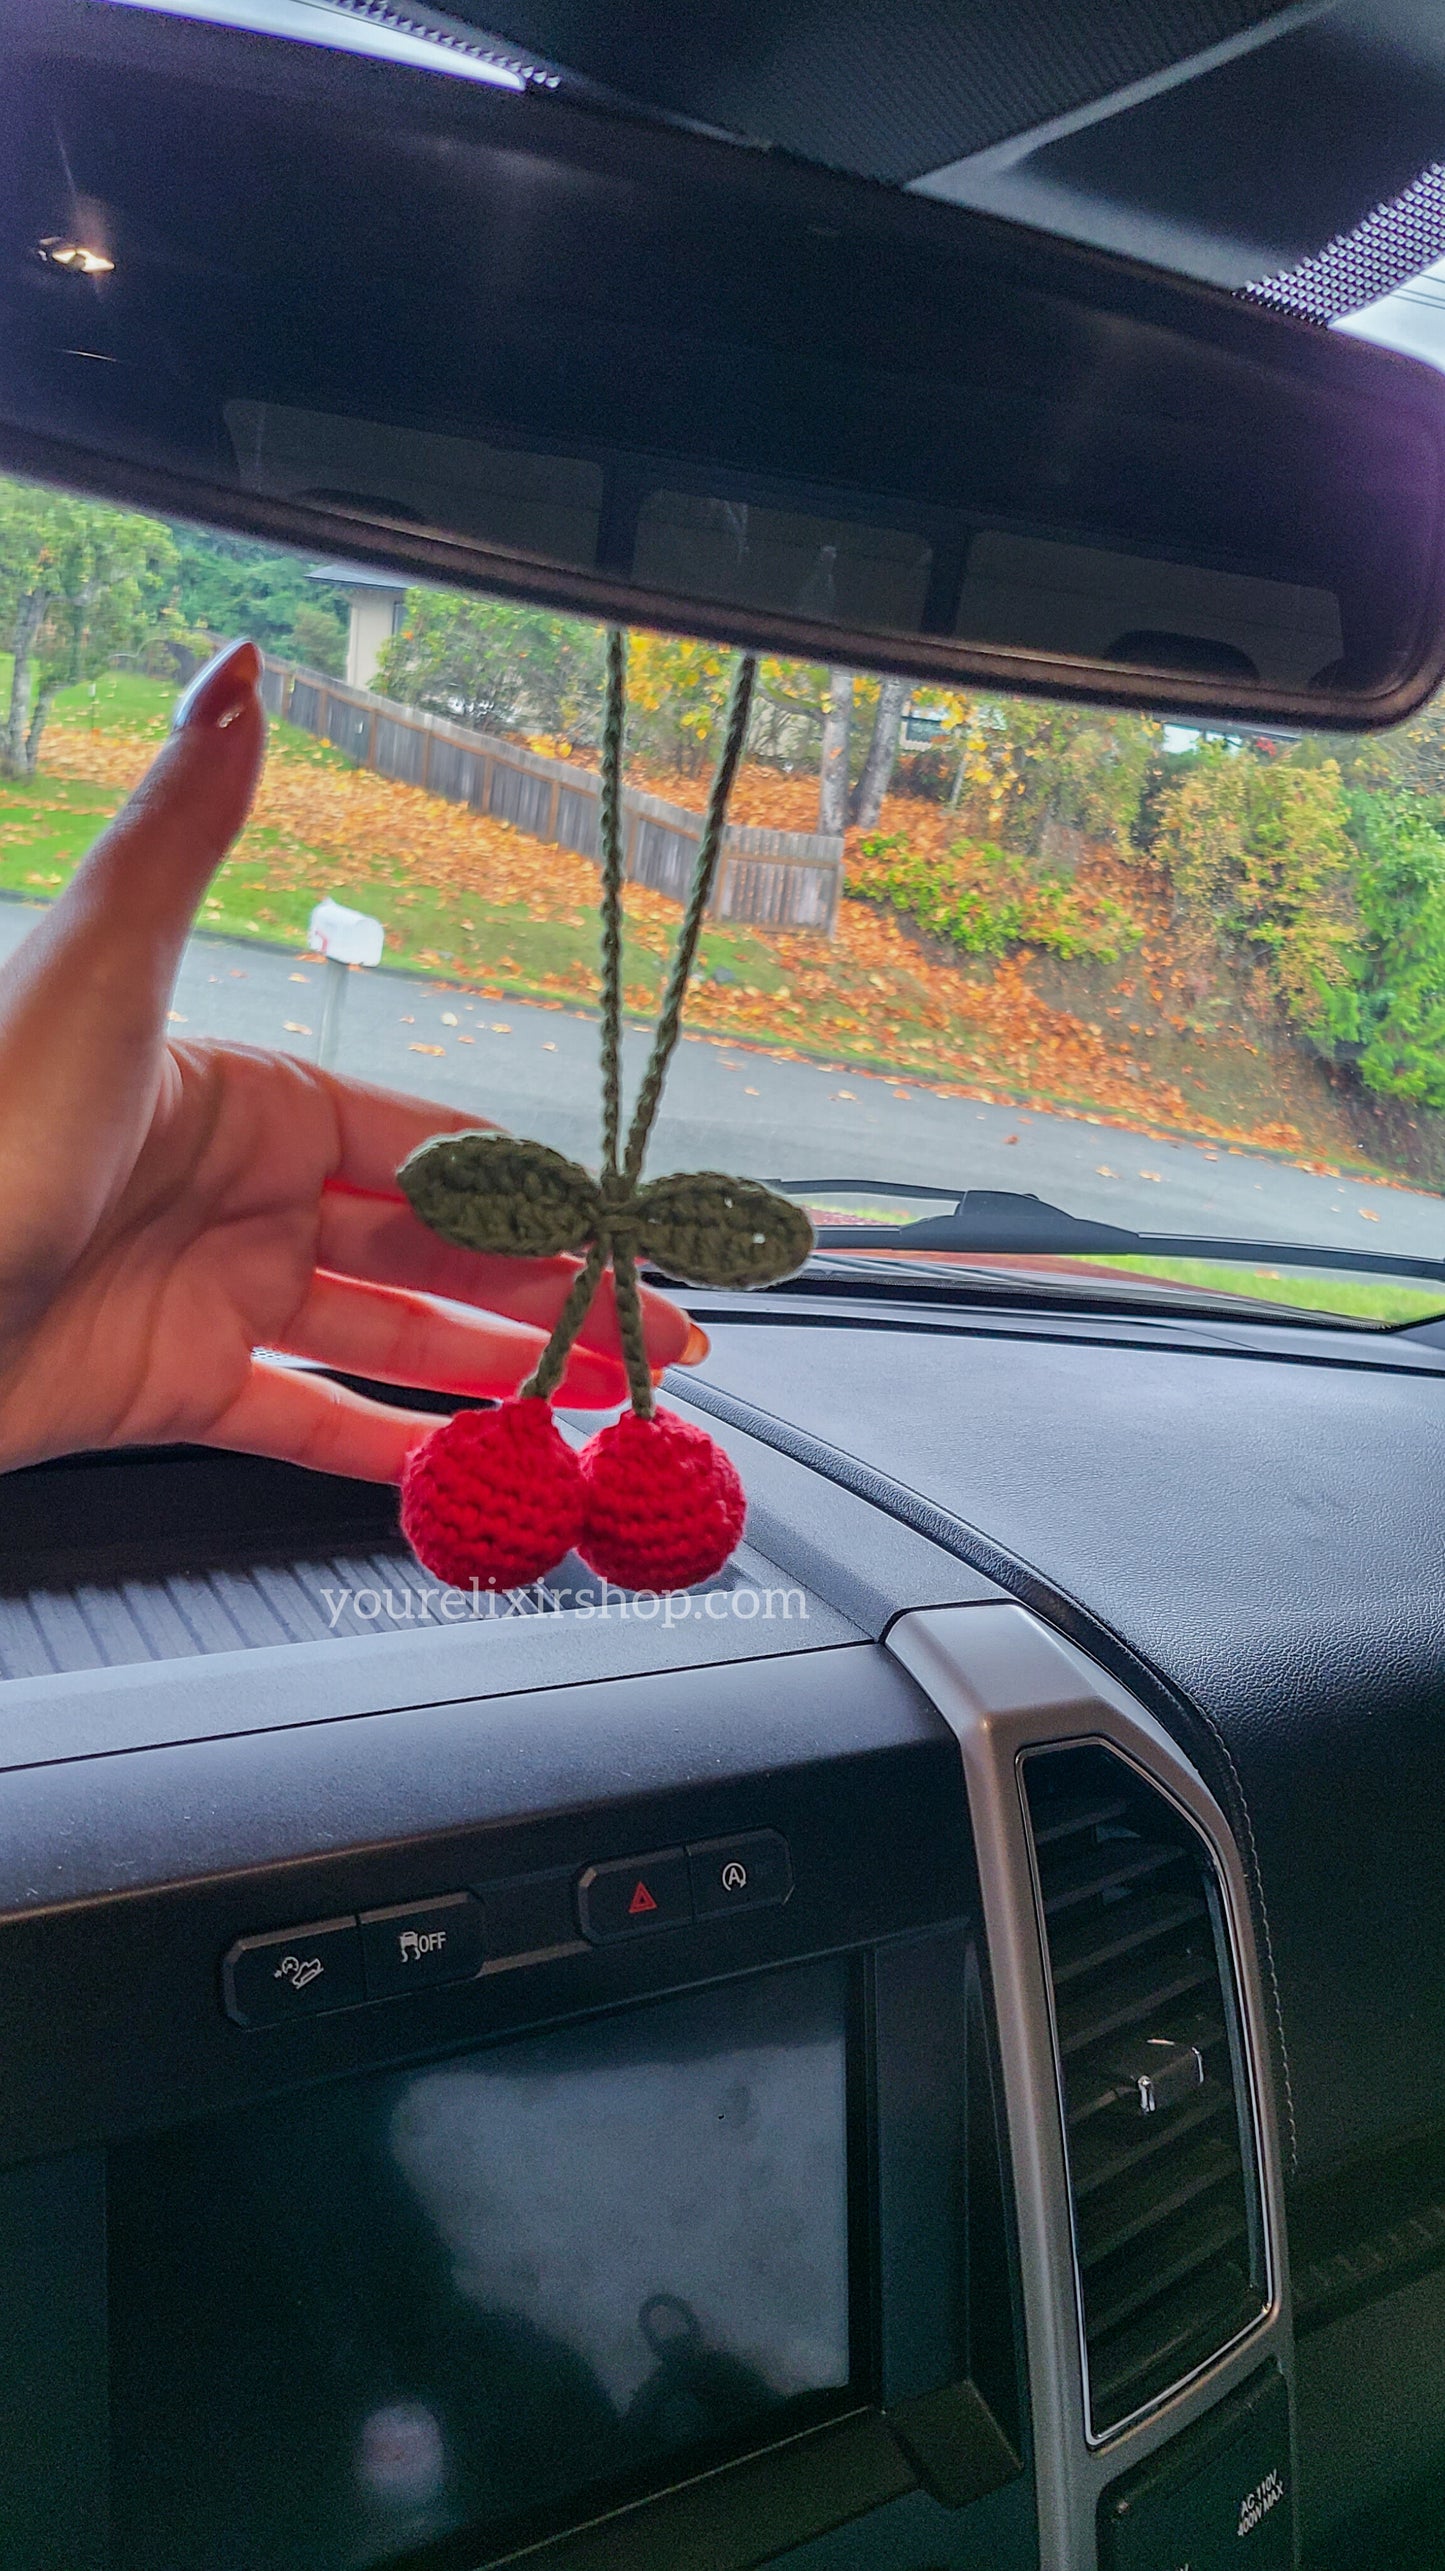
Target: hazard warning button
633	1894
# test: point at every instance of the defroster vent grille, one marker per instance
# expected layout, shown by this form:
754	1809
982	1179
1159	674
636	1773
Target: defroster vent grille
1162	2158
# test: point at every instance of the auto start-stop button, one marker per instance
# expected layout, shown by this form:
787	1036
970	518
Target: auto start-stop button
745	1873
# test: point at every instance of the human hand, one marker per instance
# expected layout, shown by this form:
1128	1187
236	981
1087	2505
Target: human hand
166	1210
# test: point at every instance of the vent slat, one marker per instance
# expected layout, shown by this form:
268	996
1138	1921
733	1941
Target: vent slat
1142	1991
1109	1867
1131	1927
1149	2360
1097	2156
1094	2085
1135	2282
1083	1816
1163	2209
1156	2193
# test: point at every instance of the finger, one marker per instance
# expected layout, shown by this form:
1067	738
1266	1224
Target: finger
306	1419
402	1338
383	1242
145	875
368	1230
82	999
378	1128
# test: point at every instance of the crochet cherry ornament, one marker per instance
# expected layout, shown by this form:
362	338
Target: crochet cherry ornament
493	1497
664	1505
652	1504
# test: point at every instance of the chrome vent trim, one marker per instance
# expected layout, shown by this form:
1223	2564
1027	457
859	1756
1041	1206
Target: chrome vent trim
1163	2166
1007	1685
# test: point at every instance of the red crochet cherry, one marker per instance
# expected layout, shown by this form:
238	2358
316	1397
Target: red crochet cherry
493	1496
664	1506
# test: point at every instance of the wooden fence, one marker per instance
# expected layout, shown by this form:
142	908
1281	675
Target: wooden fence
770	878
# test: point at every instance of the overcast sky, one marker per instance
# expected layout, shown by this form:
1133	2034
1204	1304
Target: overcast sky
1412	318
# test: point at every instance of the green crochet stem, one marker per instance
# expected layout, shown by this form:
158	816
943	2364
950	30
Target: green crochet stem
669	1023
619	1185
551	1366
610	833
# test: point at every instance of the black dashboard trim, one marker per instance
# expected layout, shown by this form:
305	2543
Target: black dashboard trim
1382	1352
1188	1722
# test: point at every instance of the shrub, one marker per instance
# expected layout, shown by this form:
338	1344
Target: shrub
1259	851
984	900
1401	969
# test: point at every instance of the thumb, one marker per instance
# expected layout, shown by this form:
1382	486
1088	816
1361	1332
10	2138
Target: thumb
144	878
83	998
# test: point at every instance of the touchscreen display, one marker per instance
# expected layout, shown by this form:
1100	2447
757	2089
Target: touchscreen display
352	2324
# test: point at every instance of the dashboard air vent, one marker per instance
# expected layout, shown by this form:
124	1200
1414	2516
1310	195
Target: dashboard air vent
1162	2163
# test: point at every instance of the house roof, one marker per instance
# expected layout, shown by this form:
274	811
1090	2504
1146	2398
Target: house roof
356	575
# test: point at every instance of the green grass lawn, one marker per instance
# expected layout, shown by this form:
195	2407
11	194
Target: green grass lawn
1353	1298
253	898
121	699
47	823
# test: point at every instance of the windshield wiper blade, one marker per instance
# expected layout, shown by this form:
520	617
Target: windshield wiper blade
997	1220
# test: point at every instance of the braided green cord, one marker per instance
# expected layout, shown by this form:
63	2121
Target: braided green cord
669	1021
629	1323
610	837
551	1366
547	1374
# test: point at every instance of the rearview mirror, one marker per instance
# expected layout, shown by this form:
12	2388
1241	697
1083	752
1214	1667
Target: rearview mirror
505	339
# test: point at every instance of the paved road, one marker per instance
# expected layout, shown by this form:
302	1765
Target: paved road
536	1071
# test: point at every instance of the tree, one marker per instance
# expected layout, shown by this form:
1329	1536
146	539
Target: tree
1259	852
492	664
1075	767
1409	760
803	697
1297	894
80	586
1401	968
228	585
876	774
676	692
318	638
833	773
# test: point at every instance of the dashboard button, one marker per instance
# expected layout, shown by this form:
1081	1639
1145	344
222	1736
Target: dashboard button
293	1973
529	1914
743	1873
419	1944
634	1894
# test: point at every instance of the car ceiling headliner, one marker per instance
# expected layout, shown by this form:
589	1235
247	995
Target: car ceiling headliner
1221	138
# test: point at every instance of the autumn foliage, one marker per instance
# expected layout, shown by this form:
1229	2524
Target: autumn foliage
880	996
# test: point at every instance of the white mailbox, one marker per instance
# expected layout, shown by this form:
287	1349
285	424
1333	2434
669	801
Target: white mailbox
346	936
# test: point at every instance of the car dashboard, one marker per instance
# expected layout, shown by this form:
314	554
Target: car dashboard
919	2054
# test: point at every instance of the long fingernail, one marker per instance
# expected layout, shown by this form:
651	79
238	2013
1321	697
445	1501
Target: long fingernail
695	1346
220	689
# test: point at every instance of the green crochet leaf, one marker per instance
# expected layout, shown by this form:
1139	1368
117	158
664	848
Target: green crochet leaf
712	1230
496	1192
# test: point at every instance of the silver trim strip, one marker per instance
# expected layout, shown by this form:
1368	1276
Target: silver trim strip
1252	2123
1004	1684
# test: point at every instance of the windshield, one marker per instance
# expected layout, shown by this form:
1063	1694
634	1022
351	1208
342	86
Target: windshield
1185	986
